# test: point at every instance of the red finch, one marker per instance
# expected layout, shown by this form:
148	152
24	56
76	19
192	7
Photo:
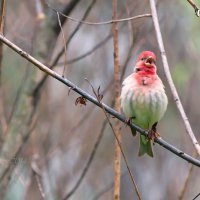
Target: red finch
143	99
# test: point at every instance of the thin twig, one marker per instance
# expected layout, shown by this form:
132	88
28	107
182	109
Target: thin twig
3	120
169	78
67	9
2	15
186	183
101	23
196	196
65	48
196	9
60	53
117	163
89	52
109	110
37	175
86	168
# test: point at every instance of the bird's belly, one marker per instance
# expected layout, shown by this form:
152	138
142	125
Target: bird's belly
147	106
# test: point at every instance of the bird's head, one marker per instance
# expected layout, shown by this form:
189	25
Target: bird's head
146	63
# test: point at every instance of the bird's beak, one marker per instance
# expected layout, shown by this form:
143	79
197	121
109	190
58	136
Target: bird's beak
149	61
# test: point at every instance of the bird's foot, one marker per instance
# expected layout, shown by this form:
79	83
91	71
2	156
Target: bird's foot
152	133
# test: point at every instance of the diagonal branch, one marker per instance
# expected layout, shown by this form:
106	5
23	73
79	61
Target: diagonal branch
109	110
196	9
169	78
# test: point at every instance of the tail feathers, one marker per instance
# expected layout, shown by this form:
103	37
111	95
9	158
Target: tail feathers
145	147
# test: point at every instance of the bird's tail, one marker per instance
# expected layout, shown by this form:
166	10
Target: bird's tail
145	147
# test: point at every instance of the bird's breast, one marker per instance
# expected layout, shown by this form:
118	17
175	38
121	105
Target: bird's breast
147	103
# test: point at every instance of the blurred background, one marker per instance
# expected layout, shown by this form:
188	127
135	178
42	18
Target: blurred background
54	149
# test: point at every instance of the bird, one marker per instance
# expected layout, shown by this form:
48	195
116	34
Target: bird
143	99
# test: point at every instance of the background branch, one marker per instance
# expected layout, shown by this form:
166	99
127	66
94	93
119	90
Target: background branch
169	78
117	162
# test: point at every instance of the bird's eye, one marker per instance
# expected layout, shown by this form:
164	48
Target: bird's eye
143	59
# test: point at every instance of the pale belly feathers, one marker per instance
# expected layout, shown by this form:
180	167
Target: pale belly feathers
146	103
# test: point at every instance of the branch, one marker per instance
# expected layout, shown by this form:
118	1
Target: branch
109	110
64	42
183	190
37	175
169	78
196	9
2	15
100	23
3	120
196	196
67	10
117	161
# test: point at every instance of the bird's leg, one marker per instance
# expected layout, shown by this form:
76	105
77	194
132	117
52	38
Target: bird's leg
152	133
128	121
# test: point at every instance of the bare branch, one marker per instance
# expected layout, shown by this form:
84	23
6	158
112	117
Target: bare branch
2	15
67	10
37	175
89	52
3	120
186	183
169	78
101	23
196	9
117	163
64	42
109	110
